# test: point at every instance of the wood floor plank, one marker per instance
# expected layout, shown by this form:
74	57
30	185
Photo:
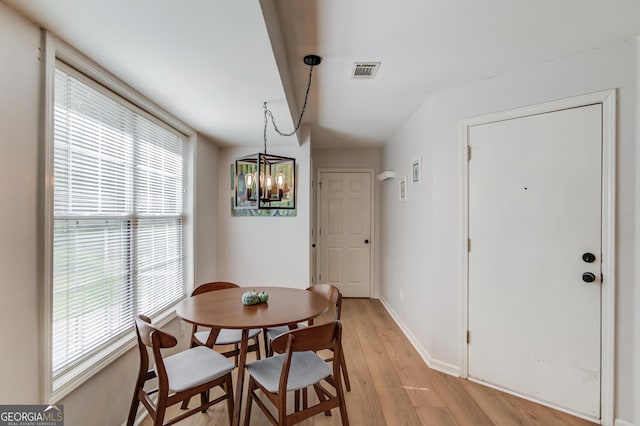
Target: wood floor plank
355	332
436	416
391	385
460	404
394	403
497	406
409	366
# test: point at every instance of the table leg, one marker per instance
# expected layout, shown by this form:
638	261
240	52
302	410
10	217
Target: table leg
242	360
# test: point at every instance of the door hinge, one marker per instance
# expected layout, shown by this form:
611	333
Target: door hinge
468	244
468	152
468	337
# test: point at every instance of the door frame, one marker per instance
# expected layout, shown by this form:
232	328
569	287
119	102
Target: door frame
316	223
607	99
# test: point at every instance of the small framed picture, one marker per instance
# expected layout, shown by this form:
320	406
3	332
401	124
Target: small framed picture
403	189
416	170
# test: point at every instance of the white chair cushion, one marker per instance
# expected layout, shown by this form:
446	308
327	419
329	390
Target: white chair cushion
307	368
227	336
194	367
276	331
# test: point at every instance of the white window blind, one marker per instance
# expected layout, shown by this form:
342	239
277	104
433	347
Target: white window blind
118	217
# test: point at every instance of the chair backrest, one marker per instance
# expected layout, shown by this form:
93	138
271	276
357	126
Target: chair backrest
332	294
327	291
312	338
145	331
213	286
339	307
151	336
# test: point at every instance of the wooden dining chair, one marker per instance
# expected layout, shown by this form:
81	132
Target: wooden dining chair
225	336
296	368
334	297
327	291
343	364
179	377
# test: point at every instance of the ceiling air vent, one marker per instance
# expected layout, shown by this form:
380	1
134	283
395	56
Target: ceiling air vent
365	69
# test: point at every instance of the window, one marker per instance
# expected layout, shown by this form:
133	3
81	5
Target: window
117	227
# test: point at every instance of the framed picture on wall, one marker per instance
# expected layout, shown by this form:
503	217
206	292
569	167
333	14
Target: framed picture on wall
416	170
403	189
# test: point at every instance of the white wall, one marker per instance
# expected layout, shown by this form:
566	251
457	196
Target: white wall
422	250
19	209
360	158
409	254
265	251
206	205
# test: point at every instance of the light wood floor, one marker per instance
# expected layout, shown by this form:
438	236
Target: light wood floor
391	385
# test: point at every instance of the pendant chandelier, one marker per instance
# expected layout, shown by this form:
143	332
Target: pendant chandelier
266	181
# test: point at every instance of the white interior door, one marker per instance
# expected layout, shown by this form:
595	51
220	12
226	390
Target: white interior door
344	232
534	210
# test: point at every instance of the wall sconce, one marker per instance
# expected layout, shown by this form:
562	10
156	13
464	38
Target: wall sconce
387	174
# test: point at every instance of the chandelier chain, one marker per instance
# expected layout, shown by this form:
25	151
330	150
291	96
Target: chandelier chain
268	114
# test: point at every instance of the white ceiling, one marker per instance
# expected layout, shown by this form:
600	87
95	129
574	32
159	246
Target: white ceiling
213	62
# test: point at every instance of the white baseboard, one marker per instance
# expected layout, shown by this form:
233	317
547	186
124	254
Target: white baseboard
620	422
434	364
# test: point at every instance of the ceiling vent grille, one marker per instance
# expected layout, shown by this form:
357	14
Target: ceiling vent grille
364	70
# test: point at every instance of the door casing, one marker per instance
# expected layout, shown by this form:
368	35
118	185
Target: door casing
608	100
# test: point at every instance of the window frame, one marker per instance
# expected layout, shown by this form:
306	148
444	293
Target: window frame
55	49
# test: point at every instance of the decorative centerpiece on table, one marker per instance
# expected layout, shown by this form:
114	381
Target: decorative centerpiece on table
253	297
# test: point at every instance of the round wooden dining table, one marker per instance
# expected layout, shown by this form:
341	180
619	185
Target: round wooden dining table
224	309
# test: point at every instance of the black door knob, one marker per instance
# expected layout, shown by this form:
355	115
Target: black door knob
313	245
366	241
588	277
589	257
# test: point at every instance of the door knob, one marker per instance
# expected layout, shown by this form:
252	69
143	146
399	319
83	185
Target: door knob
366	241
588	277
589	257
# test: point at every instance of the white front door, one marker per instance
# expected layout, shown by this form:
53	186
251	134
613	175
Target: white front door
534	217
344	232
